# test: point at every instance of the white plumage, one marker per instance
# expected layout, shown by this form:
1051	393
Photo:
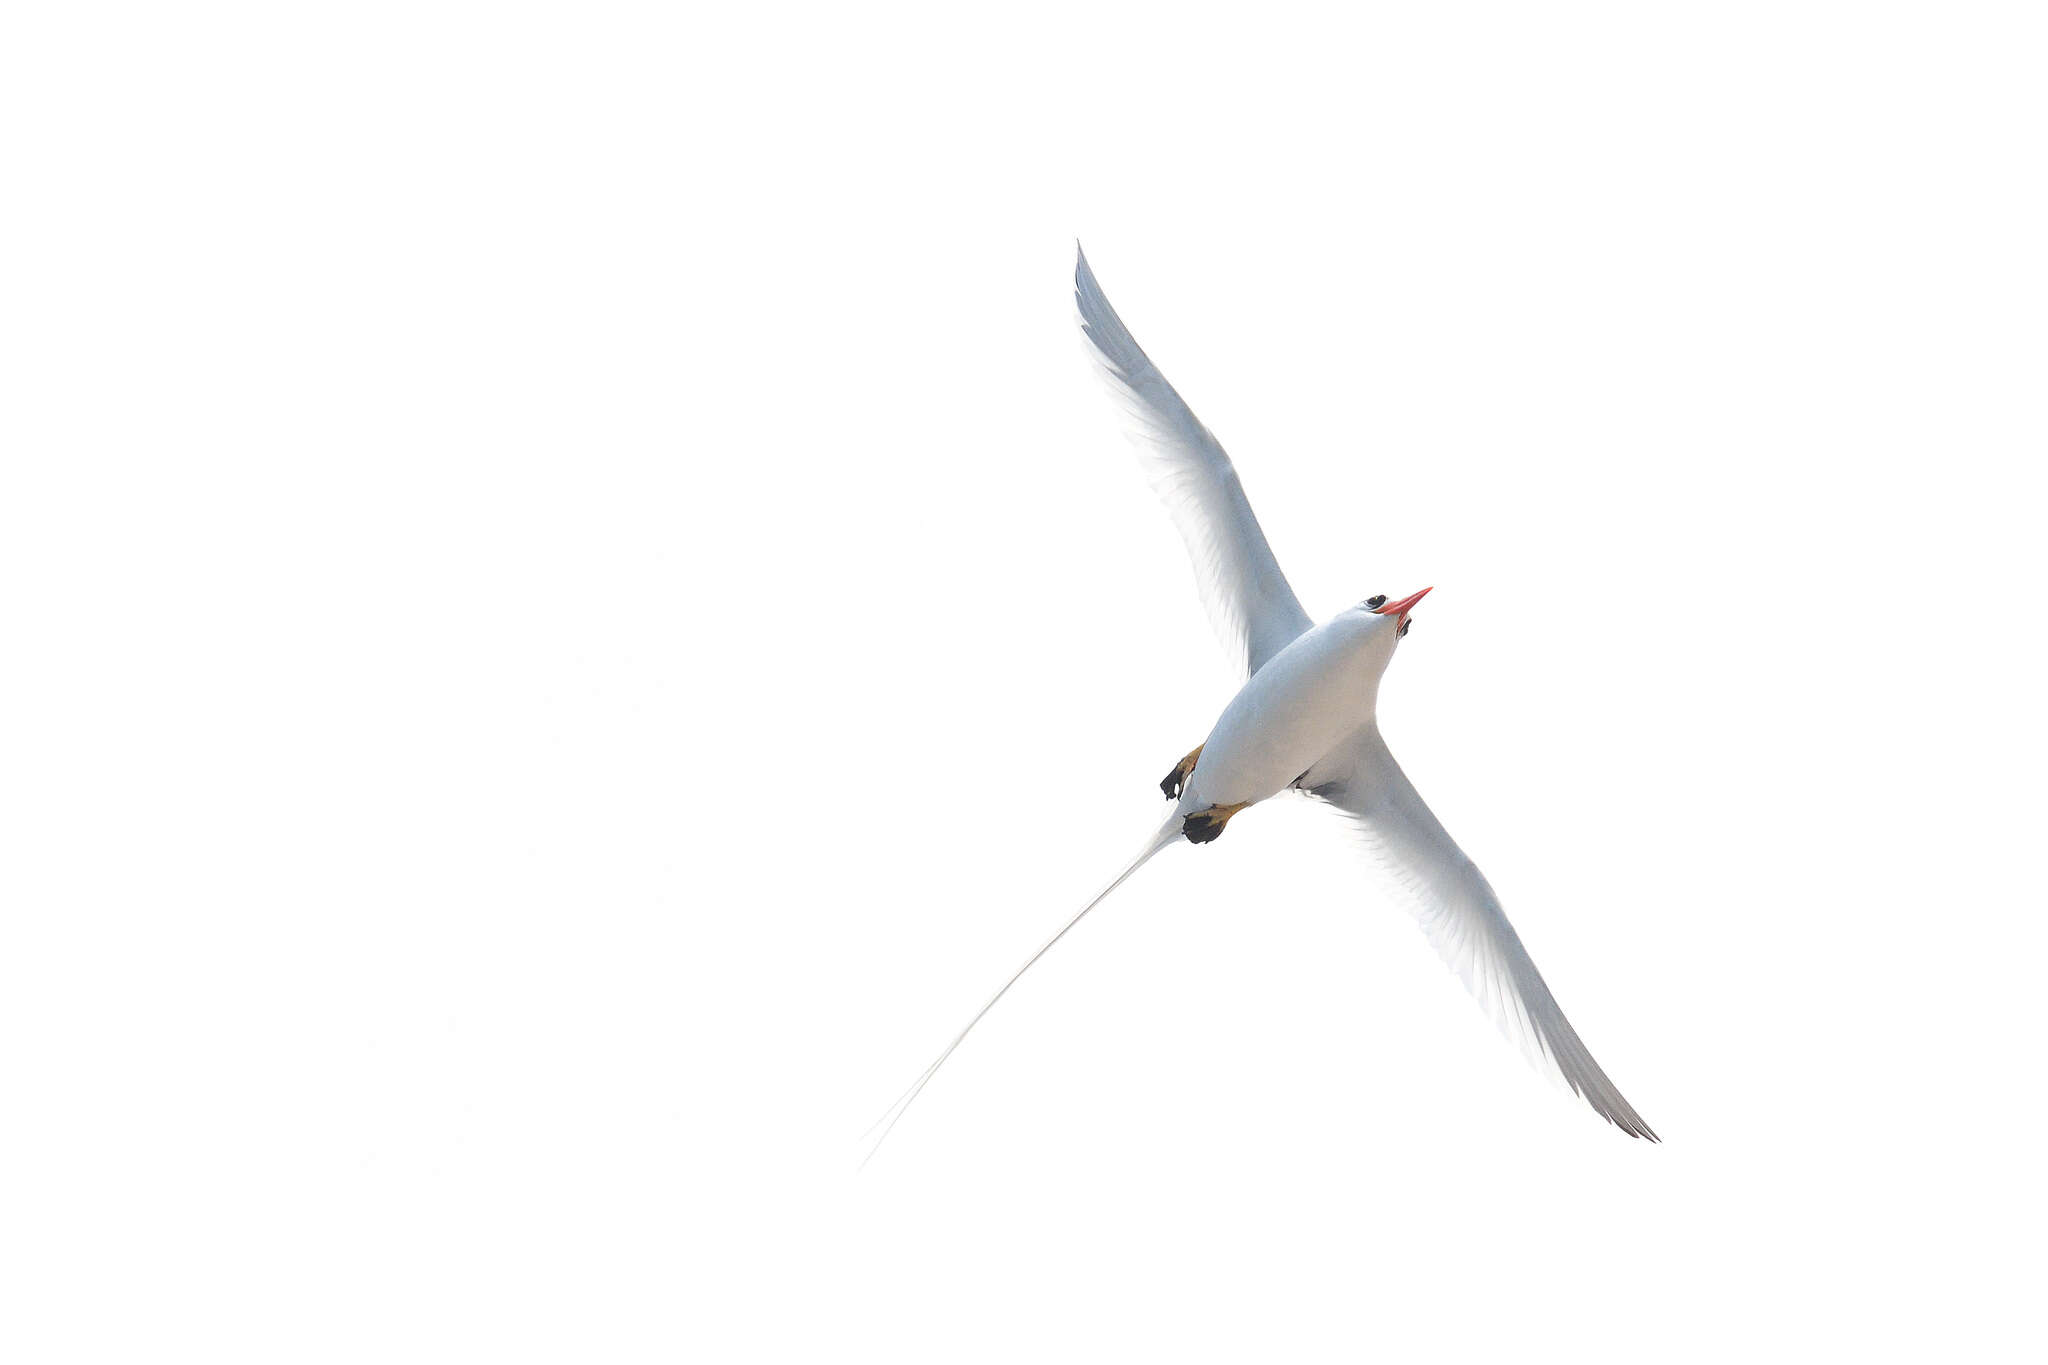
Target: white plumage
1248	599
1306	719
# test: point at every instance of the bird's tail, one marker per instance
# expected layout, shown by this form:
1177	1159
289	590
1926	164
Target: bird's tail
1167	833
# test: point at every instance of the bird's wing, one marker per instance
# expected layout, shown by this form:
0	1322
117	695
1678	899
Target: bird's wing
1461	915
1248	599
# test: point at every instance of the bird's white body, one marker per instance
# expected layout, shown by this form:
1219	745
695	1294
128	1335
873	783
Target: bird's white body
1300	707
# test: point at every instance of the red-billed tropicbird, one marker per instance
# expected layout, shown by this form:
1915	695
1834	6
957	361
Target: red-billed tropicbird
1305	721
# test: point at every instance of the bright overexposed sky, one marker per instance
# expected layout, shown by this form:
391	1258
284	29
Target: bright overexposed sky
573	606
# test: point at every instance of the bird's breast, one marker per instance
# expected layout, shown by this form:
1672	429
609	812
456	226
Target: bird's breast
1307	699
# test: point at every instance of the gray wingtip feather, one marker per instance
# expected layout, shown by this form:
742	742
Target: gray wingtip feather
1112	340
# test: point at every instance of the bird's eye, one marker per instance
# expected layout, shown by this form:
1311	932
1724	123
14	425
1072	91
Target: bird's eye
1402	633
1376	602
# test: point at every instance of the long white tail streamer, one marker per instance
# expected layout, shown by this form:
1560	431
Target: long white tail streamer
1168	832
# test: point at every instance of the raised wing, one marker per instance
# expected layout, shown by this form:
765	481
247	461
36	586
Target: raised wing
1462	916
1248	599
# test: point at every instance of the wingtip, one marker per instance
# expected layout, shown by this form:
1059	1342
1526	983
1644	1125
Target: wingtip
1091	309
1634	1126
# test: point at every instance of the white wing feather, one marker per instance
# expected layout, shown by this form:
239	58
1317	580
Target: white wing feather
1248	599
1461	916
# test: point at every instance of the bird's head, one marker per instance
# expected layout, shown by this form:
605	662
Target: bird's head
1393	615
1395	612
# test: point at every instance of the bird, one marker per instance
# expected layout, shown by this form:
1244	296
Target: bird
1304	721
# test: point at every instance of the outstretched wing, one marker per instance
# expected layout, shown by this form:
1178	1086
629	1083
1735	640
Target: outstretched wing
1249	602
1462	916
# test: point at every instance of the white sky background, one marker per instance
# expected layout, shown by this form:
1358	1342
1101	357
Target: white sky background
574	607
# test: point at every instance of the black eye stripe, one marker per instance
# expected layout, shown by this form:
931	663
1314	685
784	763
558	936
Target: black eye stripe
1376	602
